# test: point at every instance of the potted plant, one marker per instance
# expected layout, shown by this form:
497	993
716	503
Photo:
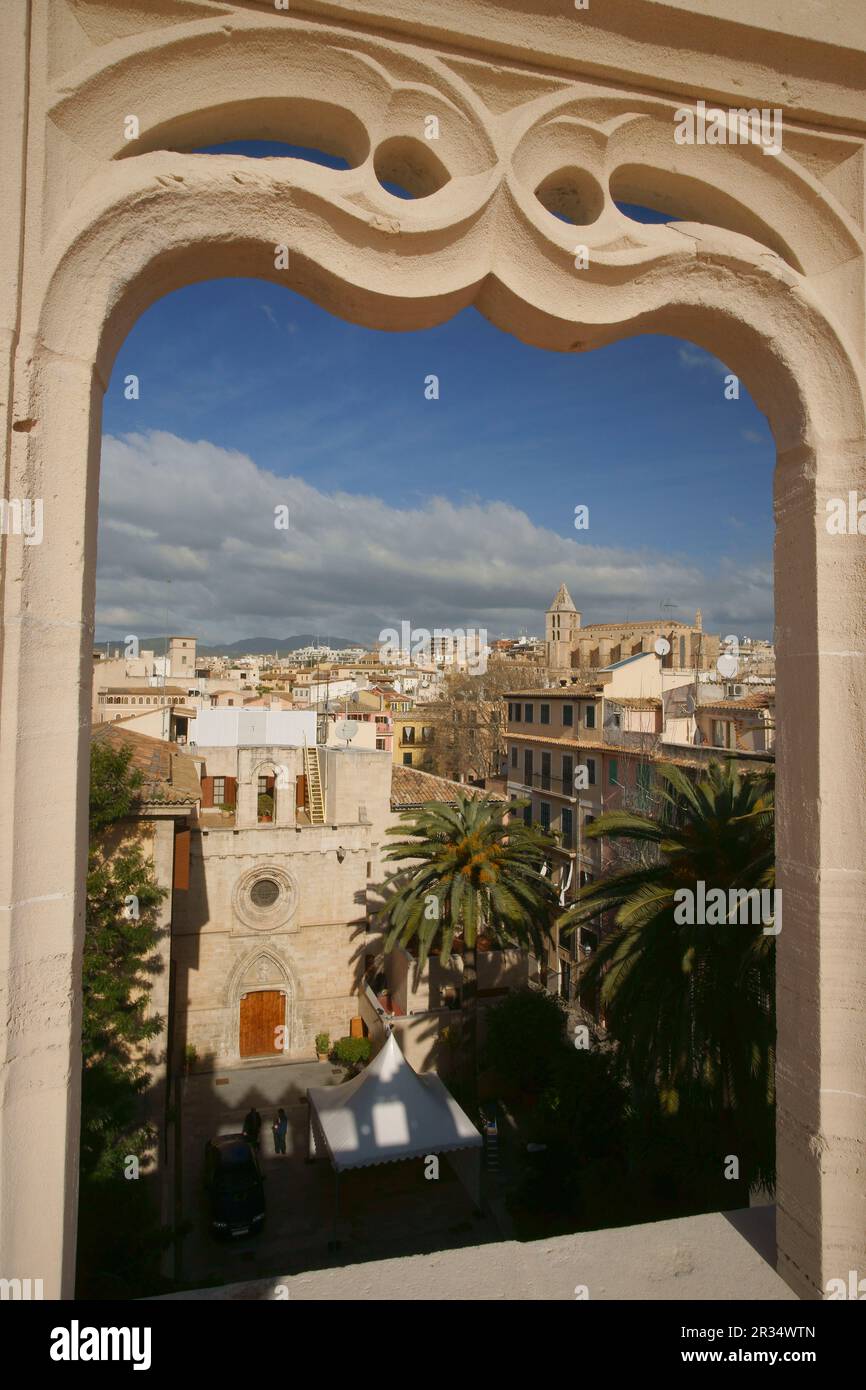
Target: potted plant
323	1046
266	806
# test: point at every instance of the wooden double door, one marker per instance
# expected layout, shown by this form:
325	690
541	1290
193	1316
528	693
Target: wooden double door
263	1012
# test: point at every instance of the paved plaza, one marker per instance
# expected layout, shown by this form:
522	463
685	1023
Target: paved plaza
385	1211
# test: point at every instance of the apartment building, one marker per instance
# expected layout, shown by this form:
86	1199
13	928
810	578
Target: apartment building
377	720
560	767
742	722
117	672
413	738
579	749
126	701
384	699
181	658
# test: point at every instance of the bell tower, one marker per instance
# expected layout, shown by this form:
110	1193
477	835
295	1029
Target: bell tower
561	628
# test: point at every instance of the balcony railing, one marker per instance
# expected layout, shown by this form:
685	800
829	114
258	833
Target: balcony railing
652	747
550	782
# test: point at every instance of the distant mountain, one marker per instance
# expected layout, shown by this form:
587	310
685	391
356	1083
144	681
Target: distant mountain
266	646
247	646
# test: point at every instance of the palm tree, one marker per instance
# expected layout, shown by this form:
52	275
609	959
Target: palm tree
692	1006
468	870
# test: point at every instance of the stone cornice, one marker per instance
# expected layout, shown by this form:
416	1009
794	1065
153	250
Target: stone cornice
792	58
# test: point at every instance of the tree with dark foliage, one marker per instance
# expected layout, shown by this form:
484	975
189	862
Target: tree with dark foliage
119	1239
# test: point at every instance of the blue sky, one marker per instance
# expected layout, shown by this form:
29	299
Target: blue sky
677	478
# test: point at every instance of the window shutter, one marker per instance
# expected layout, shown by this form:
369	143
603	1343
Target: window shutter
231	791
181	859
207	791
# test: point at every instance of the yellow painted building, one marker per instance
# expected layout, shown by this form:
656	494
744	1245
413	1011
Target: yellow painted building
412	739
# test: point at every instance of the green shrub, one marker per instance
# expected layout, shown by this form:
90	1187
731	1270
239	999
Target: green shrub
583	1106
351	1052
266	804
525	1034
323	1042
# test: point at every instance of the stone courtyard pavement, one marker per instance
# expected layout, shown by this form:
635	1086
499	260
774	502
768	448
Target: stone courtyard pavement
385	1211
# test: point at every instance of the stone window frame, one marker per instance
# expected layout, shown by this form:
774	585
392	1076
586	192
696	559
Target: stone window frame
281	915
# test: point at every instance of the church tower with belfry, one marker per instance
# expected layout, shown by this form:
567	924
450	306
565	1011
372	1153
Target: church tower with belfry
572	646
561	629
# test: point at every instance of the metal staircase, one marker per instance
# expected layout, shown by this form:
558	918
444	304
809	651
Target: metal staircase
315	799
490	1132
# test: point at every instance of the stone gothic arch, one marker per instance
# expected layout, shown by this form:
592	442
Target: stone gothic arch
263	967
282	786
769	277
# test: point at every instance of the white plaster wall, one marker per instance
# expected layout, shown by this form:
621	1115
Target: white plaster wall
640	679
253	727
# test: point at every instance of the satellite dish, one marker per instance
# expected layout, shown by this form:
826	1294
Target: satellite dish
346	728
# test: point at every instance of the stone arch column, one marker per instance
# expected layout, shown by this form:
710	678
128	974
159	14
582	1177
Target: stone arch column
284	791
786	316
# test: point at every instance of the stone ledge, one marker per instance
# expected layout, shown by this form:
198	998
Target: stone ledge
694	1258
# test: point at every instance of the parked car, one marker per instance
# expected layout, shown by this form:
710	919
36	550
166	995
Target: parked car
234	1185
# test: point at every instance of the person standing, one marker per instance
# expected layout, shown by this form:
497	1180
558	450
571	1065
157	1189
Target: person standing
280	1126
252	1126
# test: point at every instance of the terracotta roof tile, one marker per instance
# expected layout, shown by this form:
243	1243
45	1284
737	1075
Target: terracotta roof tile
634	702
142	690
568	744
169	775
410	787
758	699
558	692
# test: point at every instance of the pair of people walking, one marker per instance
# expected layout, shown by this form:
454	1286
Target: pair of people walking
253	1126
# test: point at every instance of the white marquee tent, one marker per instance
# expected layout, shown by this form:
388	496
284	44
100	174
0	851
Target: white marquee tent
388	1113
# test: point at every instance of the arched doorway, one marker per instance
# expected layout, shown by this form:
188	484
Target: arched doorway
262	1015
260	1002
770	286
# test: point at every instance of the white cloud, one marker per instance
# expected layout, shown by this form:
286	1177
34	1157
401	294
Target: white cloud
694	357
269	314
188	527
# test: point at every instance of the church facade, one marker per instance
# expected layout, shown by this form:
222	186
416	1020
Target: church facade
570	646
